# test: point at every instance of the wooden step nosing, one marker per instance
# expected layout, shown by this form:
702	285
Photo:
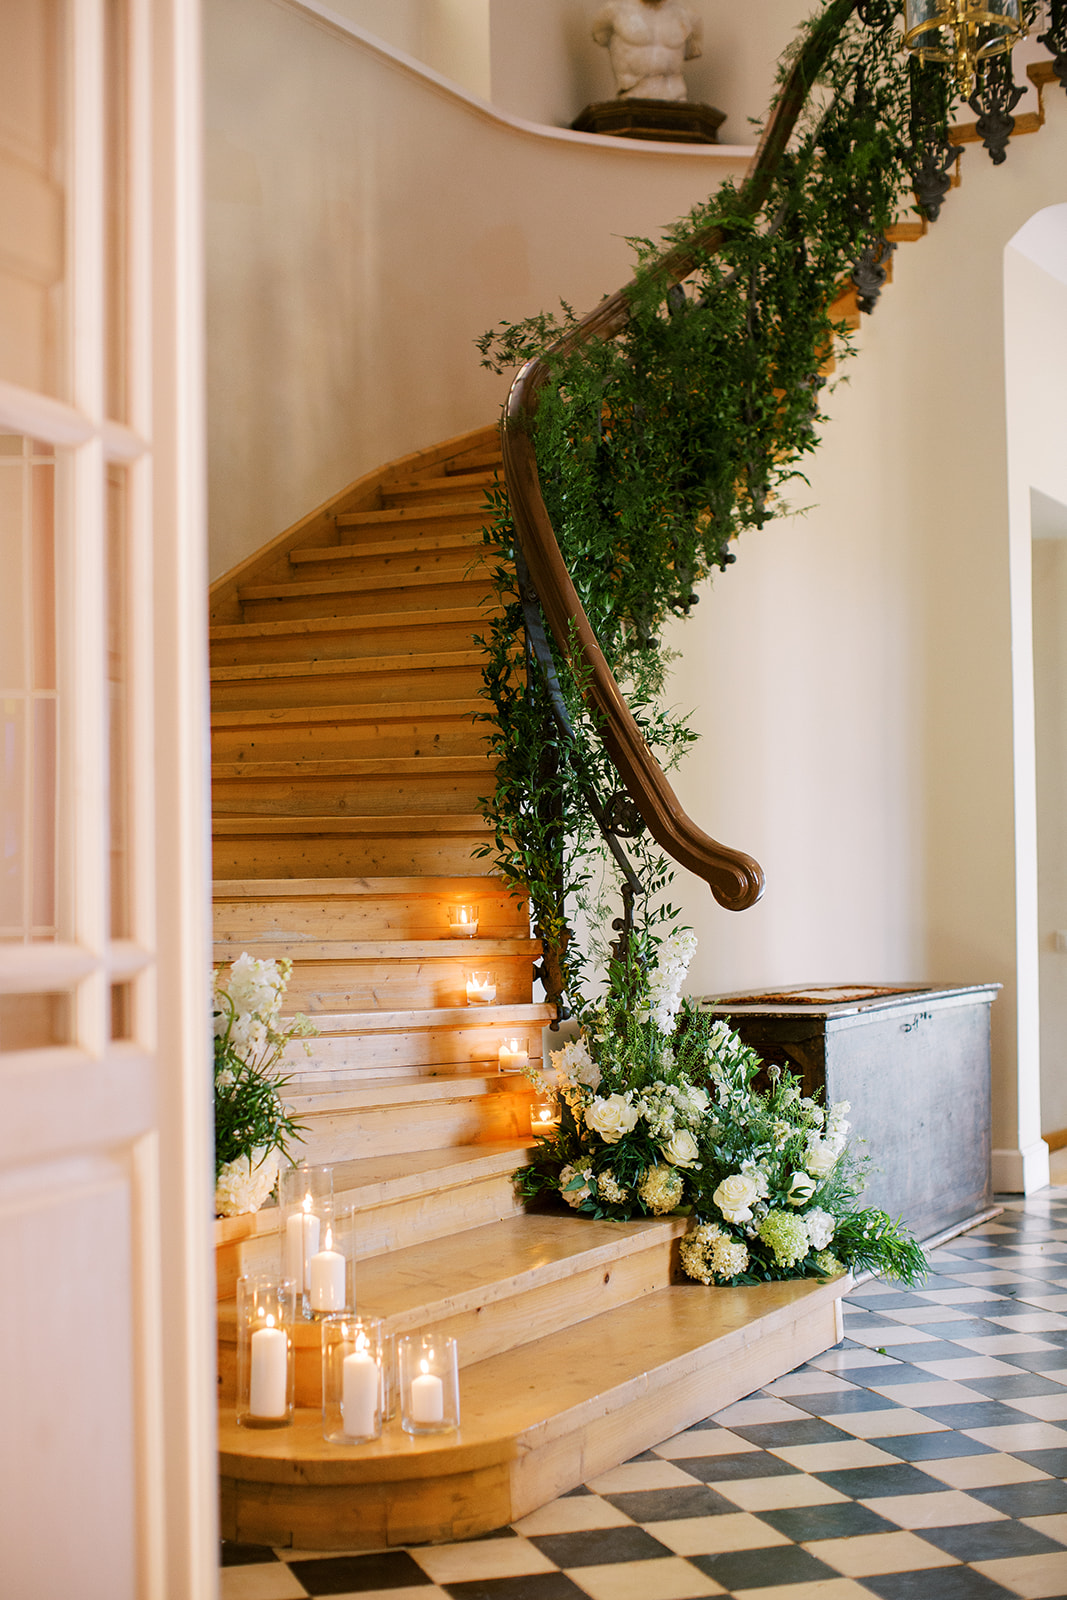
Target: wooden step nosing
392	515
461	539
357	767
378	711
399	950
386	583
358	622
352	666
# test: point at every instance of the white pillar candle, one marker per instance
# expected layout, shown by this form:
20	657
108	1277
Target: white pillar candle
360	1381
427	1398
301	1243
268	1389
328	1279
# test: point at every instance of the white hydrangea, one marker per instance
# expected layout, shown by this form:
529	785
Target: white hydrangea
245	1184
610	1189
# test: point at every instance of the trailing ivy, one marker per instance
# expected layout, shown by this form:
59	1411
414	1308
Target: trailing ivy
658	448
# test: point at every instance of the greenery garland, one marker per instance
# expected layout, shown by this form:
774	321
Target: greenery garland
658	448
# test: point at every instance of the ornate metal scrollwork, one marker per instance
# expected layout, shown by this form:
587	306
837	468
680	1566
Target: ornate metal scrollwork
993	102
621	816
932	157
878	13
871	271
1054	38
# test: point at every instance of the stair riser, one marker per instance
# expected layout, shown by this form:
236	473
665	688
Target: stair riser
402	916
402	985
325	856
350	741
372	686
389	598
437	1214
527	1313
445	1049
371	796
346	643
396	1130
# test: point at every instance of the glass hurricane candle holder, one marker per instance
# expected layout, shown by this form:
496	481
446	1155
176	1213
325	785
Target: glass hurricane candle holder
429	1382
514	1055
265	1366
390	1376
331	1268
463	921
544	1115
352	1382
305	1196
481	990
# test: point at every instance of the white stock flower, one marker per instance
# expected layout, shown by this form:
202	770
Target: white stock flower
611	1118
255	987
735	1196
681	1149
575	1062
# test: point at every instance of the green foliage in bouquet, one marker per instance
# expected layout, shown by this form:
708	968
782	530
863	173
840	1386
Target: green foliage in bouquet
663	1109
252	1126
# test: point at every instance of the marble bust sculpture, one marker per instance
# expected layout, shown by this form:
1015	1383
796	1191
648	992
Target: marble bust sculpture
648	40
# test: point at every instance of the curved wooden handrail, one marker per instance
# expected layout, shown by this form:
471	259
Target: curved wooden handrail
736	880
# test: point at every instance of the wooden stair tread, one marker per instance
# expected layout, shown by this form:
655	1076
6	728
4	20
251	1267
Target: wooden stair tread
413	544
392	949
384	583
473	507
415	661
358	621
353	766
373	711
422	822
706	1352
447	484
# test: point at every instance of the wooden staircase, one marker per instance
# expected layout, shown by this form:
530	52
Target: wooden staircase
347	771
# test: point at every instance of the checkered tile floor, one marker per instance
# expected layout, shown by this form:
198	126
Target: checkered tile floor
922	1459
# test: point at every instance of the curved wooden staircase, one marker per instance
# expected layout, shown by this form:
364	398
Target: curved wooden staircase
347	771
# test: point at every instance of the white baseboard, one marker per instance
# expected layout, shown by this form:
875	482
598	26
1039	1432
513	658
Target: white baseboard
1021	1171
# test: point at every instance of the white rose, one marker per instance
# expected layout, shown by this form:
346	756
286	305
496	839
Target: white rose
611	1118
681	1149
821	1157
801	1189
735	1195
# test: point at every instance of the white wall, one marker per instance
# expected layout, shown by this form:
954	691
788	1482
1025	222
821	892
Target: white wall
364	226
451	36
1036	345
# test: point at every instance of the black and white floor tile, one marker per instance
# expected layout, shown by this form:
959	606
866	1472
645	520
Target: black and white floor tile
921	1459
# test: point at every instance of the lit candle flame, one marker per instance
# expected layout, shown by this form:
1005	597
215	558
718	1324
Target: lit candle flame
270	1321
307	1201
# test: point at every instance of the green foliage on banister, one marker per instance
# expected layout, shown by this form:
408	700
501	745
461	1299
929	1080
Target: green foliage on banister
659	447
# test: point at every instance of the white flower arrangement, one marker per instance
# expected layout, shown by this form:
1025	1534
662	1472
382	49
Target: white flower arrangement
252	1125
664	1109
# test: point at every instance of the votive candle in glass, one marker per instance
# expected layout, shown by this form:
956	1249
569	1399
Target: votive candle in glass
513	1055
481	990
305	1196
463	921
